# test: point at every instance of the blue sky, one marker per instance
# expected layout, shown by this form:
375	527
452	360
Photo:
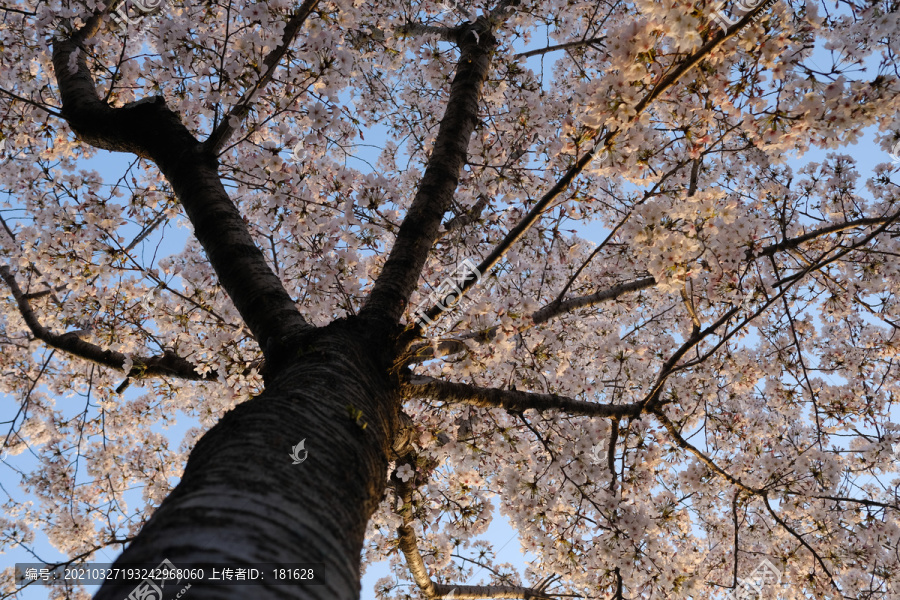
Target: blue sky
500	534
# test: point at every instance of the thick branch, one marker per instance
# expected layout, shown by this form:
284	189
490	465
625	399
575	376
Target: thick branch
230	123
412	28
406	535
554	310
419	353
167	364
513	400
863	501
406	540
149	129
666	82
792	243
421	227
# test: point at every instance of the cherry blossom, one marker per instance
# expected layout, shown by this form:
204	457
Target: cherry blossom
680	358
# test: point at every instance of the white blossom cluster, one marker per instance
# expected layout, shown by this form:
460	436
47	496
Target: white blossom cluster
793	392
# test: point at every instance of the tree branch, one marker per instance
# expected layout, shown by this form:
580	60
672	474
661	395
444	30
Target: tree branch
647	195
445	34
150	130
406	535
864	502
792	243
31	102
512	400
220	136
554	310
800	538
449	34
671	365
406	541
666	82
467	218
479	592
421	227
564	46
762	493
426	351
51	567
168	364
685	445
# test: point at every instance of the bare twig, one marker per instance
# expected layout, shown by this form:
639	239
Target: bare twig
220	136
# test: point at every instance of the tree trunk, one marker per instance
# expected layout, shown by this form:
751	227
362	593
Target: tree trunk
241	499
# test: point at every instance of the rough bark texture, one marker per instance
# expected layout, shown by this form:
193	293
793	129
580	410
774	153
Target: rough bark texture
241	498
421	226
513	400
149	129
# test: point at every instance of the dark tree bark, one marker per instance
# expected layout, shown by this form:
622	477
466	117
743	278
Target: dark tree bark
421	224
241	499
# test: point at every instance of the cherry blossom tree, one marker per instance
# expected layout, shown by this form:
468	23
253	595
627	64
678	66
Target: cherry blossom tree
388	204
